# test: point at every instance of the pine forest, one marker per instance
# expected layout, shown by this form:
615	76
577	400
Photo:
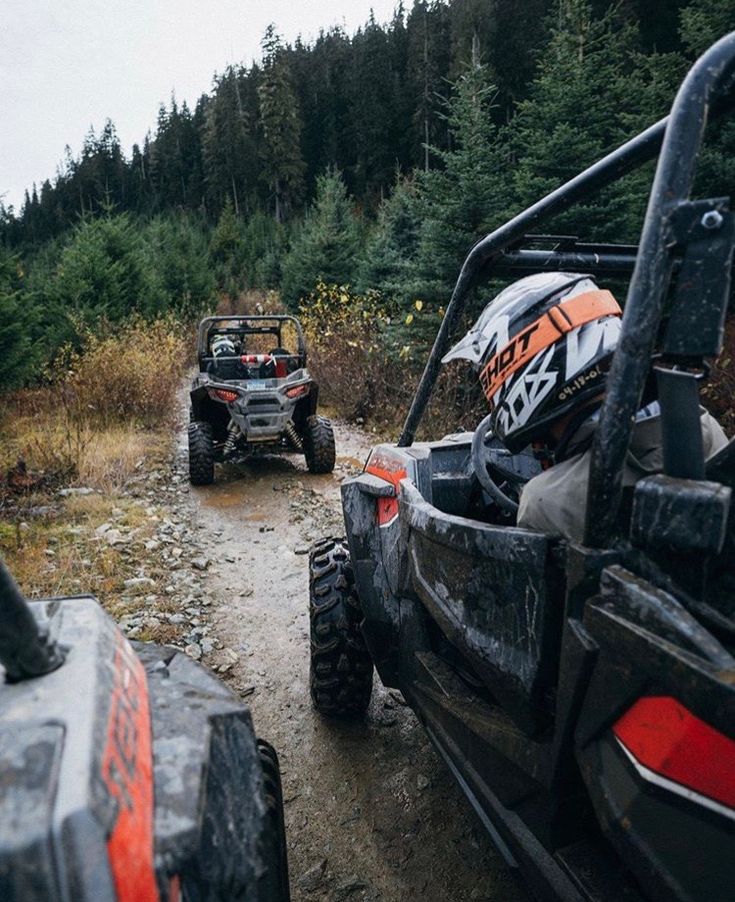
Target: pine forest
347	177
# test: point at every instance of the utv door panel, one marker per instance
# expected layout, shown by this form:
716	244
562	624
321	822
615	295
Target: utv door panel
487	589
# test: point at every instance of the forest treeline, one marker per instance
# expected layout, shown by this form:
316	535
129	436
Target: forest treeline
371	161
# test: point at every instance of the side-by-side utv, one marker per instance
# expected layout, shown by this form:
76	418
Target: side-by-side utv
245	399
128	773
582	693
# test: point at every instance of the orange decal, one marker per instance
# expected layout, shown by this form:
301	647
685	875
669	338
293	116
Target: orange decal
127	769
577	311
392	470
387	510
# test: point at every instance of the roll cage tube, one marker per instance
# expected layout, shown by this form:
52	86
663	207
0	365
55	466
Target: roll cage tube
648	288
208	322
26	649
488	253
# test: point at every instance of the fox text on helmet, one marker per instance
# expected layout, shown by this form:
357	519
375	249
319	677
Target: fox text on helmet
541	347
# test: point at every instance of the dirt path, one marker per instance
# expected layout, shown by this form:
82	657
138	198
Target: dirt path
371	812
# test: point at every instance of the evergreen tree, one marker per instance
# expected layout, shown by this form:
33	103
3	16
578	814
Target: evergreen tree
427	72
264	243
389	256
111	168
508	35
325	101
327	244
591	84
515	34
139	186
380	132
228	145
226	249
281	124
705	21
179	253
462	200
106	271
14	336
702	23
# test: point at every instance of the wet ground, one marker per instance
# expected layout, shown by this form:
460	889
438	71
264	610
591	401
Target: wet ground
371	811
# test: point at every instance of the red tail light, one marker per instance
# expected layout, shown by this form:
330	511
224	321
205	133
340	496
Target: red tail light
297	391
225	395
672	747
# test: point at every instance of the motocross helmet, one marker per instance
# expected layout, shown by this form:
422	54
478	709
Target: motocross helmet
223	346
541	347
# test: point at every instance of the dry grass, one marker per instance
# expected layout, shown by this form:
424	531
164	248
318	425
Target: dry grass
104	460
49	541
101	426
103	418
130	374
61	449
60	554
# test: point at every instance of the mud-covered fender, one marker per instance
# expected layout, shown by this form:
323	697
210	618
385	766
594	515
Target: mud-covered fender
378	604
389	467
200	400
370	503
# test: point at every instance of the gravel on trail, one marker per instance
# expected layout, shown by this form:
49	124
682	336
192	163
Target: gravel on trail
372	813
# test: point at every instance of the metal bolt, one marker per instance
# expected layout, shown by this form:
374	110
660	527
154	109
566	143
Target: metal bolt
712	219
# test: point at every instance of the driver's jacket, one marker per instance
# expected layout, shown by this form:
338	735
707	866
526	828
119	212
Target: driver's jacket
555	501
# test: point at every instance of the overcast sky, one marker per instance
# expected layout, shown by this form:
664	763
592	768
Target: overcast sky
69	64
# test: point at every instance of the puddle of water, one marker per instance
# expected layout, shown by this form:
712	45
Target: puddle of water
222	500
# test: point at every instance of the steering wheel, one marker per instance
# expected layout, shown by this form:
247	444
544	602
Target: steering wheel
501	474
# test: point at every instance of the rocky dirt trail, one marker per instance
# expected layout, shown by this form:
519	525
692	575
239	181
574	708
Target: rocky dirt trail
371	811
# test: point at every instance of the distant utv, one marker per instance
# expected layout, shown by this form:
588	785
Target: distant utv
246	400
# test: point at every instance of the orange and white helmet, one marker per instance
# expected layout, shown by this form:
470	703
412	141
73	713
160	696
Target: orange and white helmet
541	347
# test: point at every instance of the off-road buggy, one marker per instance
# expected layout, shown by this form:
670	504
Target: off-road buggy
582	694
127	771
245	400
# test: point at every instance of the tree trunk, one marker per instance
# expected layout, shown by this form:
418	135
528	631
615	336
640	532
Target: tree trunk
426	93
234	197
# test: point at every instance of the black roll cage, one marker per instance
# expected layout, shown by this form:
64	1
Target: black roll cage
261	328
693	238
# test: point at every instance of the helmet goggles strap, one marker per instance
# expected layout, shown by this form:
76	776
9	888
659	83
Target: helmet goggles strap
544	332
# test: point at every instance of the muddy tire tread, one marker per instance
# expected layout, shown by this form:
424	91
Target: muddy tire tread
319	447
275	877
201	453
341	677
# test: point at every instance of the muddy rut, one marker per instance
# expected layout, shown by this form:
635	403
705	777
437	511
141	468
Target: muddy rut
371	811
